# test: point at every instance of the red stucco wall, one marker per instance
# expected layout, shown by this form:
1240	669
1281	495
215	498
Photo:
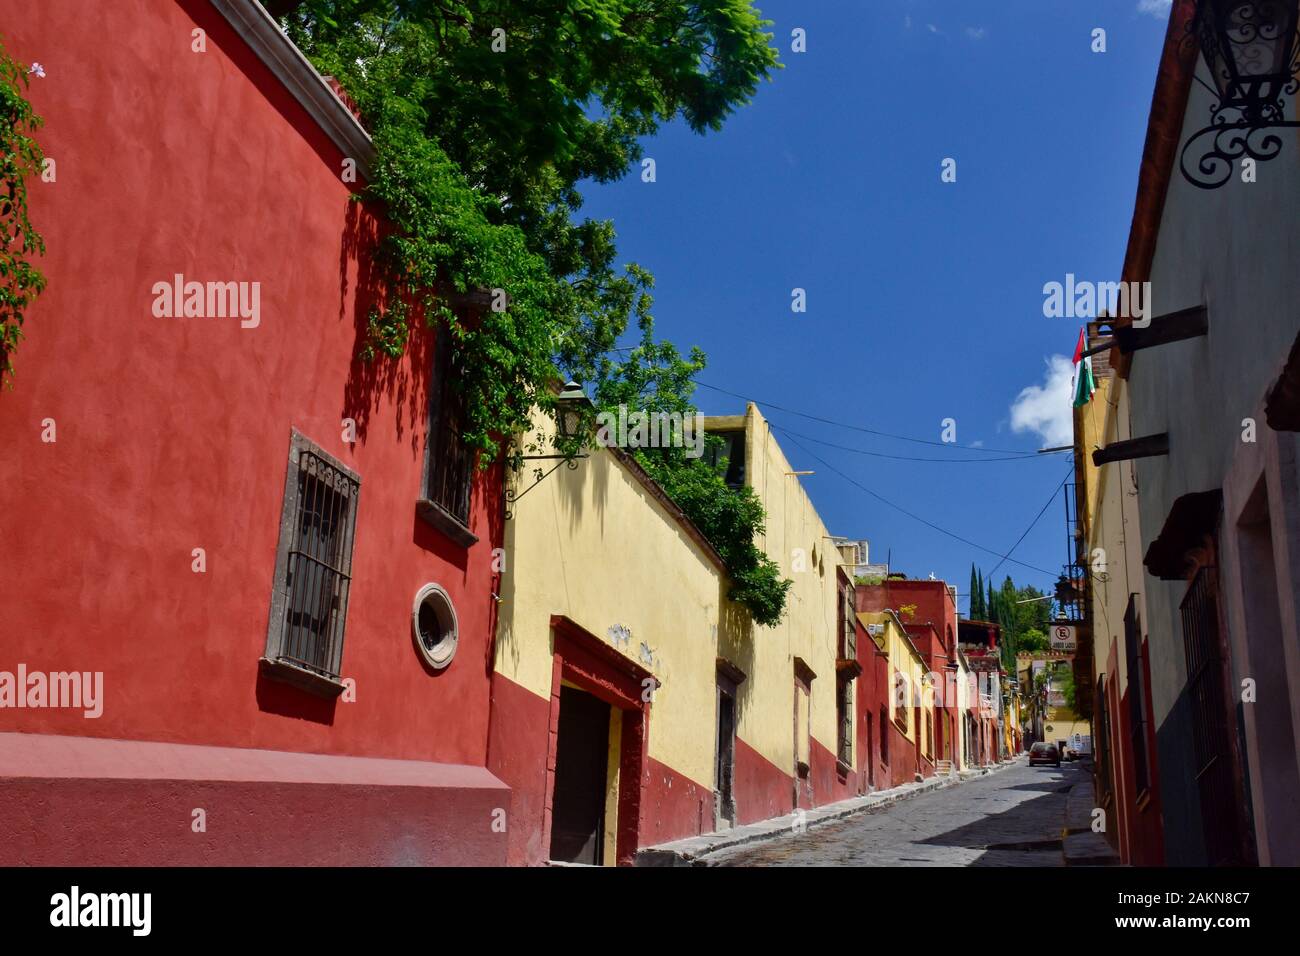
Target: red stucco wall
96	802
763	791
173	434
517	751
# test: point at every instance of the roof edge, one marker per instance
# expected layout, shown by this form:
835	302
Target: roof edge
656	490
263	35
1159	153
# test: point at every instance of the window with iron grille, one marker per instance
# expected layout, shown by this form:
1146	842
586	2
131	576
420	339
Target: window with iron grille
1136	695
1205	691
902	694
1101	743
448	464
304	641
848	625
884	735
844	716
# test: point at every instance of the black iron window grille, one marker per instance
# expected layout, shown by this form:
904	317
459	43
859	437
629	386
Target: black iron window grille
844	711
1136	696
1101	744
449	465
848	625
313	570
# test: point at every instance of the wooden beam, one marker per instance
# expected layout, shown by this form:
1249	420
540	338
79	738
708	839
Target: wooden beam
1174	327
1148	447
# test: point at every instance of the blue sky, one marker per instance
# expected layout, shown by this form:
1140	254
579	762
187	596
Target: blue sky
924	299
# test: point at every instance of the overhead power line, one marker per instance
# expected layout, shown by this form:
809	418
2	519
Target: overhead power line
1037	518
1031	456
860	428
915	517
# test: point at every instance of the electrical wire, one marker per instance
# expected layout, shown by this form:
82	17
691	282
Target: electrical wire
1035	521
1032	456
915	517
860	428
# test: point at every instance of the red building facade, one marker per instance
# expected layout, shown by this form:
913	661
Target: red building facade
932	625
220	518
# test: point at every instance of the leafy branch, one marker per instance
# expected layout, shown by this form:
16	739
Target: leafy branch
20	157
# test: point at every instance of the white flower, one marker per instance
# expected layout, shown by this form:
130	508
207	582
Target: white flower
38	70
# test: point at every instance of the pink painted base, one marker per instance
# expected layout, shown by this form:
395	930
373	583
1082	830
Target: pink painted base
80	801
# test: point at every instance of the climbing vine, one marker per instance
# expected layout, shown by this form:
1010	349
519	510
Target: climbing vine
486	116
655	378
445	242
20	157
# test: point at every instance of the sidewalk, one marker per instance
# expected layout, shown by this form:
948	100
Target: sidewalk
1080	845
692	850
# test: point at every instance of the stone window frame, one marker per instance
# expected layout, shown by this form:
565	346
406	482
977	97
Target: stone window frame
274	663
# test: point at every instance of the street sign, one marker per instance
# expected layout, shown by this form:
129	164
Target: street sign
1063	638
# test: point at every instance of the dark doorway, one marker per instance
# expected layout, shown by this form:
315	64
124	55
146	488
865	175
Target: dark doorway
871	760
726	751
581	756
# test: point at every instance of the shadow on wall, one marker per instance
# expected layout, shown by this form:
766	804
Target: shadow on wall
736	635
573	487
404	382
274	697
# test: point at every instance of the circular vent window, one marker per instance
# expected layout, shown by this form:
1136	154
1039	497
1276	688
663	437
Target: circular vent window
434	621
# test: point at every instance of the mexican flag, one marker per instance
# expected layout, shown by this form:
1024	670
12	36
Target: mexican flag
1084	383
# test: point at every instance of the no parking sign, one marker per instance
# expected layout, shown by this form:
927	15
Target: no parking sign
1063	638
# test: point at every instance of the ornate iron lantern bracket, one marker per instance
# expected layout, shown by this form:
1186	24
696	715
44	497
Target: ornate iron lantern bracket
1250	49
573	410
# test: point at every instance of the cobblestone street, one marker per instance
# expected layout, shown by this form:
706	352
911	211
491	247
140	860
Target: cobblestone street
1013	817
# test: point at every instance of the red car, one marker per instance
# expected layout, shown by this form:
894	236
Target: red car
1044	753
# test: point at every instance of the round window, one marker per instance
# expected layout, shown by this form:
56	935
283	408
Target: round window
433	620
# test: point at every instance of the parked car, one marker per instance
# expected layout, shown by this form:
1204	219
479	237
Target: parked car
1044	753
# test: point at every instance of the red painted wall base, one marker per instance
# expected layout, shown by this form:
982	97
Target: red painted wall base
81	801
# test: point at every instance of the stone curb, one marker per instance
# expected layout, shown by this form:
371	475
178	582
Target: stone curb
693	850
1080	846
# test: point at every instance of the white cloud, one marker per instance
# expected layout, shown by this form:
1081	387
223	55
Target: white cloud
1157	8
1046	409
976	33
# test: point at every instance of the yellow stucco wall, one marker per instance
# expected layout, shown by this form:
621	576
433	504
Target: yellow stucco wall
1110	521
905	659
800	544
1063	729
593	544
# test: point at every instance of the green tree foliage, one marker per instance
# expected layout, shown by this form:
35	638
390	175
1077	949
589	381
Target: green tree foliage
1025	620
20	158
1063	681
486	115
976	595
1032	641
654	377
